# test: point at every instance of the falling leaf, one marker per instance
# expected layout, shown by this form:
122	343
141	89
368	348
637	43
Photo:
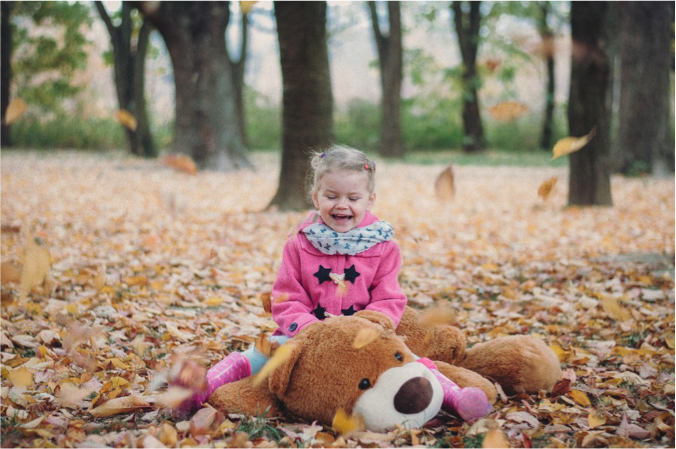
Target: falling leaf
246	7
437	316
119	405
16	108
174	397
280	356
168	435
99	280
36	267
569	145
495	438
263	345
507	111
346	424
205	421
21	377
365	336
339	280
126	119
546	188
10	272
580	397
180	162
444	186
614	310
70	396
595	420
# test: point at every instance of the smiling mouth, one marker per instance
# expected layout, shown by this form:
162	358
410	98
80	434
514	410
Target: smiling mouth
341	217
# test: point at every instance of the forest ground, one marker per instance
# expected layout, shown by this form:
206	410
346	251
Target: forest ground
146	261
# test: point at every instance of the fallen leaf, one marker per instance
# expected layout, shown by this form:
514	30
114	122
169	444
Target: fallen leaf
15	109
507	111
569	145
173	397
614	310
444	186
365	336
205	421
21	377
36	267
119	405
346	424
437	316
580	397
70	396
595	420
180	162
177	334
495	438
10	272
126	119
546	188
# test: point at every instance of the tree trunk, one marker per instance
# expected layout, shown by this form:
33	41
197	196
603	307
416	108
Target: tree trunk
590	168
238	78
129	60
644	144
206	124
391	72
307	103
547	36
467	27
6	68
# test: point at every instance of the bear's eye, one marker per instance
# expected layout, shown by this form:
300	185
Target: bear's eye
398	356
364	384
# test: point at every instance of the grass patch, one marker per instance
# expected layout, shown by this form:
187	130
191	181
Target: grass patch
491	158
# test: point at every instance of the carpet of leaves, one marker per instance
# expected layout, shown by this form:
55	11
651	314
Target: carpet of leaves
148	262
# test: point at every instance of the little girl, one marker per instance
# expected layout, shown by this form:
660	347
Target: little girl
341	261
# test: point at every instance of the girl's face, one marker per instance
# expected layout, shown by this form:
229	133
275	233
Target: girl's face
343	198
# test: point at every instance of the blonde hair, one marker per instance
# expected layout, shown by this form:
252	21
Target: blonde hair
340	157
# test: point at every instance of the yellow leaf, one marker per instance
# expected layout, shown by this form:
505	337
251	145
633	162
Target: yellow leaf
246	7
117	381
126	119
595	420
669	341
99	280
21	377
15	109
561	353
36	267
365	336
136	280
580	397
71	308
569	145
119	405
168	435
546	188
280	356
495	438
444	186
614	310
214	301
507	111
346	424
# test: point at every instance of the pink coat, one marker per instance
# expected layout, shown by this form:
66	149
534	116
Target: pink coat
303	293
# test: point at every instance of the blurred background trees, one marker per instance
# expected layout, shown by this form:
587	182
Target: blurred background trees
467	76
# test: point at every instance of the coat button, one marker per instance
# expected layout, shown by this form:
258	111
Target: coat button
293	327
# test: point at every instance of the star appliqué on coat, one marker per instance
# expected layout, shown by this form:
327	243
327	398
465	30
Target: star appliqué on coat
348	312
323	274
320	312
351	274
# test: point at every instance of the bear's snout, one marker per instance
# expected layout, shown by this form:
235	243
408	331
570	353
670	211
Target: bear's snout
413	396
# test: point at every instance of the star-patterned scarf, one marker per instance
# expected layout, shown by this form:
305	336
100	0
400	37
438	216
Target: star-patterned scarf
351	242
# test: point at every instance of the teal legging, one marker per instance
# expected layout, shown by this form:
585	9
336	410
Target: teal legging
257	358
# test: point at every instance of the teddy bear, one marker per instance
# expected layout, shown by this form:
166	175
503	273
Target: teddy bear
326	370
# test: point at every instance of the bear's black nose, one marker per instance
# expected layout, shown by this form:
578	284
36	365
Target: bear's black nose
413	396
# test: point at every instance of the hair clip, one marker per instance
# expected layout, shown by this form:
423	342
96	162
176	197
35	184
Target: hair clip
322	155
366	165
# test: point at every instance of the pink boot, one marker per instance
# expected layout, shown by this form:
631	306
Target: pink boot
470	403
231	369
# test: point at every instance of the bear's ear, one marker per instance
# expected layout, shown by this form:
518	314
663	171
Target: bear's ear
376	317
278	379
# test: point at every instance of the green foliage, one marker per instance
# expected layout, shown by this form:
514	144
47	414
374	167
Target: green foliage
359	126
49	47
263	121
67	131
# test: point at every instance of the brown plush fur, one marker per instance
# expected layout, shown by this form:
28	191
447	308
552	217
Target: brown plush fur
324	370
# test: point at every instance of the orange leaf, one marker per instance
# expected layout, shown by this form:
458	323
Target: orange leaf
263	345
126	119
569	145
346	424
15	109
495	438
181	162
546	188
595	420
507	111
437	316
36	267
444	186
280	356
205	421
580	397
